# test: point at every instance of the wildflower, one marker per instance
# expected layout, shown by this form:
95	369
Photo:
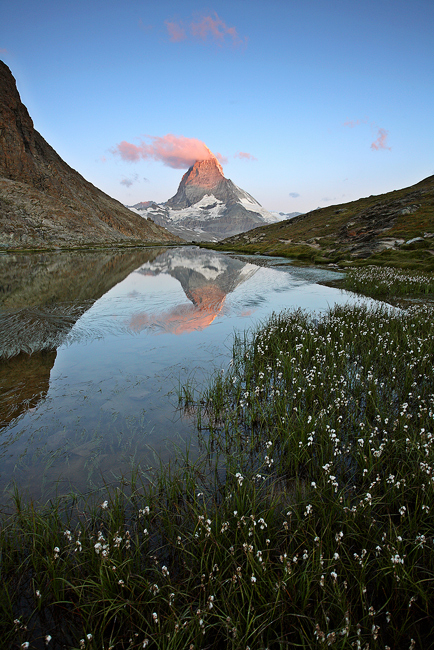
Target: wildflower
104	505
145	643
56	552
89	637
165	571
239	478
25	645
155	617
402	510
308	510
47	639
38	593
253	579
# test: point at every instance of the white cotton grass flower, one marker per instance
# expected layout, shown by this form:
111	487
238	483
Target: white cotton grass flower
104	505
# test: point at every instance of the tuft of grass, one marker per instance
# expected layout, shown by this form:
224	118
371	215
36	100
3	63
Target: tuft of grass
307	522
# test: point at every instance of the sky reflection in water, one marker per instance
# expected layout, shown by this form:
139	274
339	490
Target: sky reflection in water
108	396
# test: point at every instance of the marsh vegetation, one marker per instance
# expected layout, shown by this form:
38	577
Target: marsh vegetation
308	520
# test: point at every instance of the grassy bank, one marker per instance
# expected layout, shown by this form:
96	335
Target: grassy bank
385	282
308	522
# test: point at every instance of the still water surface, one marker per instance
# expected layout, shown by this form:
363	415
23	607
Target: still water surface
94	346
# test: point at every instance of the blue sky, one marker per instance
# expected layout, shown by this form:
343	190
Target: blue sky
328	100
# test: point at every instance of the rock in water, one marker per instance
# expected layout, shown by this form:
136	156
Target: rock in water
208	206
44	203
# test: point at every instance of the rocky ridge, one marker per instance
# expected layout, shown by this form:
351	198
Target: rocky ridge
44	203
207	206
357	230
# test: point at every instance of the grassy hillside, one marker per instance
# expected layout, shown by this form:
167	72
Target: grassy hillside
372	230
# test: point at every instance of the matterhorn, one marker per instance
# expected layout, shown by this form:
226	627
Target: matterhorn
207	206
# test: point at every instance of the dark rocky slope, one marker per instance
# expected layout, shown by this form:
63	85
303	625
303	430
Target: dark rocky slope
44	203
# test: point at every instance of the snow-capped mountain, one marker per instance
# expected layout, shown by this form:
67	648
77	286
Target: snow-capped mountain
207	206
284	216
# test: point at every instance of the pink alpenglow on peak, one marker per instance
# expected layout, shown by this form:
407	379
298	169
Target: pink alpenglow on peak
175	151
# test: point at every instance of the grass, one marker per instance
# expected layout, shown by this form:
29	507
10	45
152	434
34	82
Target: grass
385	281
307	522
349	233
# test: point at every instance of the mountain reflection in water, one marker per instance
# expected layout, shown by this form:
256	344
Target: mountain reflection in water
206	279
86	386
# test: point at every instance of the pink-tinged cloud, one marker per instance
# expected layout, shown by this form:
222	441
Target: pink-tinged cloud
128	151
174	151
353	123
381	141
221	158
244	156
176	31
206	29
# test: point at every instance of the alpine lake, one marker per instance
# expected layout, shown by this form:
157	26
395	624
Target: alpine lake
96	347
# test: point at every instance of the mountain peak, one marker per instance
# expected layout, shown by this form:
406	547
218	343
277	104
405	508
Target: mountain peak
206	173
205	177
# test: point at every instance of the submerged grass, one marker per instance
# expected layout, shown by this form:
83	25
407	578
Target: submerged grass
308	522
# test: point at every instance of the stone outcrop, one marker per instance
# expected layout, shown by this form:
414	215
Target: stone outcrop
44	203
